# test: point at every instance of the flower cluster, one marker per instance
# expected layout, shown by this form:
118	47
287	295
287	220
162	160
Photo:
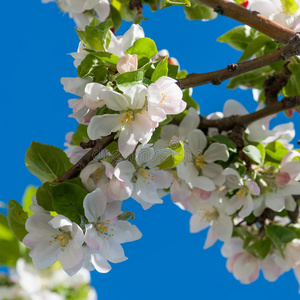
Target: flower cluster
241	185
25	282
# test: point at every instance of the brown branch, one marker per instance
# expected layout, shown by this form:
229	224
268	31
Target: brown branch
217	77
252	18
228	123
275	83
82	163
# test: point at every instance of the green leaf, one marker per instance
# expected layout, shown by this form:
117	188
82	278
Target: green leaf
290	7
80	135
113	148
181	74
226	141
172	70
155	136
173	160
68	200
128	79
17	218
143	47
189	100
199	11
254	46
106	56
27	198
94	67
167	3
9	250
262	151
261	248
44	195
280	235
239	37
254	79
275	151
98	37
115	17
292	88
160	70
46	162
253	153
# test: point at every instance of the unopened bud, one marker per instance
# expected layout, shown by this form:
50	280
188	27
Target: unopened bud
127	63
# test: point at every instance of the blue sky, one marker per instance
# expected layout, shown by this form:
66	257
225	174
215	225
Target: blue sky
168	262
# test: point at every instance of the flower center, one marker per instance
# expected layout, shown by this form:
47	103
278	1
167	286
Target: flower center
97	174
241	193
163	97
199	161
104	229
126	118
62	239
147	175
207	214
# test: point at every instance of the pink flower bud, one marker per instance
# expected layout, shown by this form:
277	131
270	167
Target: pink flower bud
282	179
127	63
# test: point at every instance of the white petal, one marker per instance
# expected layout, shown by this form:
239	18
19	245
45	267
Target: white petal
114	100
135	32
275	201
137	94
94	205
126	232
197	223
60	221
215	152
100	263
232	107
124	170
189	122
103	126
197	142
127	141
203	183
113	251
75	85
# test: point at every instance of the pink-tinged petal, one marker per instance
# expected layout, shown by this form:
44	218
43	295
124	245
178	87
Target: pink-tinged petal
127	141
215	152
91	237
103	126
246	268
253	187
232	107
231	261
142	128
109	169
292	168
71	258
114	100
198	222
100	263
38	226
211	238
275	201
60	221
137	96
124	170
127	63
119	190
203	183
126	232
270	269
156	113
94	205
233	247
282	179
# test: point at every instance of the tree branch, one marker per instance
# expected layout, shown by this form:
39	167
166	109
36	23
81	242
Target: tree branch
82	163
216	77
270	28
229	123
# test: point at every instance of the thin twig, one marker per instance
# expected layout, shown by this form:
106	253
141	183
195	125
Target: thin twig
82	163
217	77
270	28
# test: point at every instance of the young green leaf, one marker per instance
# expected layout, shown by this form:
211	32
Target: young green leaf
80	135
199	11
173	160
46	162
143	47
253	153
27	198
16	218
160	70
